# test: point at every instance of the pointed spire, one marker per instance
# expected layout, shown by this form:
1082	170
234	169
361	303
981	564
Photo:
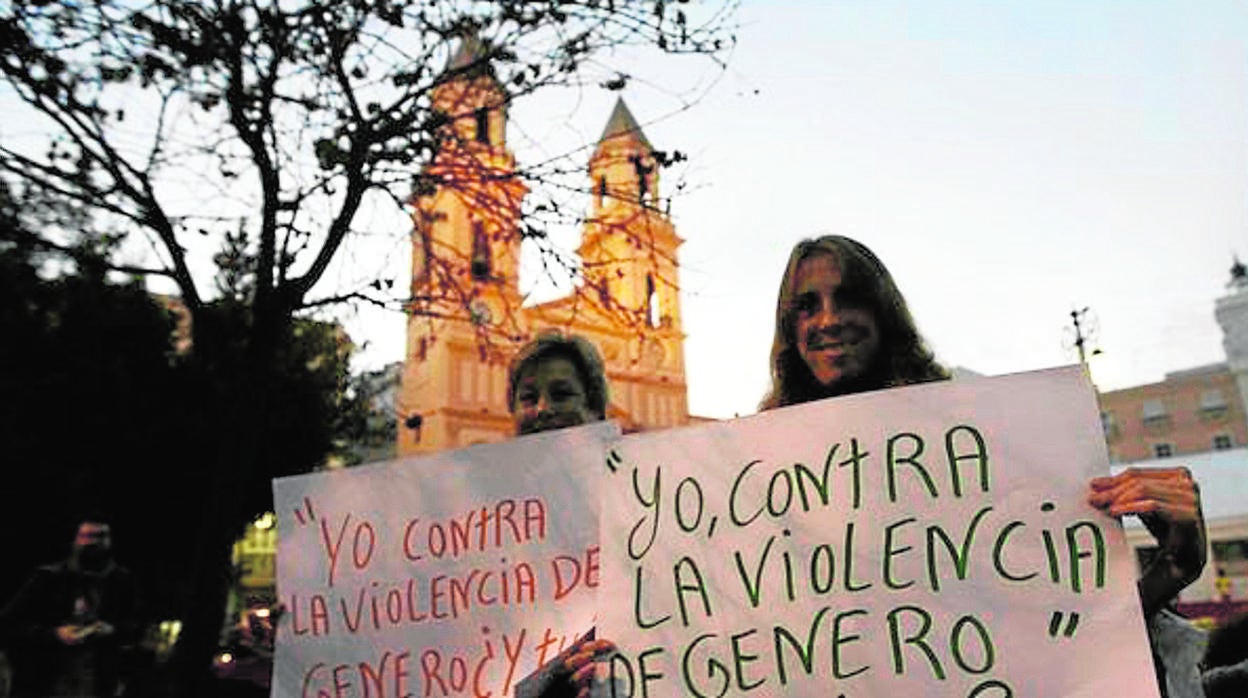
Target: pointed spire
473	53
622	123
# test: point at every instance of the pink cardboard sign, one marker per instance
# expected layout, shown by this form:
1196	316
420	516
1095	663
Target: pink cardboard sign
455	574
932	540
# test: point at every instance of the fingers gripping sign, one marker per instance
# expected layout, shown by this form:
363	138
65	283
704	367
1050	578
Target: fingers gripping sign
1167	500
1171	493
572	673
586	663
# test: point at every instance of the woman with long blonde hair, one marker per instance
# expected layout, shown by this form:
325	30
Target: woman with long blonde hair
865	295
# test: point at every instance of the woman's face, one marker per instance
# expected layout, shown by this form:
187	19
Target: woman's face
836	336
549	395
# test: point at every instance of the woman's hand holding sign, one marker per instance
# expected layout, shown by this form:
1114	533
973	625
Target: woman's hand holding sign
583	663
1167	501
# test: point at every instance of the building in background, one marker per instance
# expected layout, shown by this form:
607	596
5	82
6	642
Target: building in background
379	389
467	315
1196	418
254	557
1192	410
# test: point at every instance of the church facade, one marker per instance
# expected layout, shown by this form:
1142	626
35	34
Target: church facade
467	316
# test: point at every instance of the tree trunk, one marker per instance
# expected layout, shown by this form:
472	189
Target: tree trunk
218	521
203	620
222	516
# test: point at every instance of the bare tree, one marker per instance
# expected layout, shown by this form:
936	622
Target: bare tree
236	142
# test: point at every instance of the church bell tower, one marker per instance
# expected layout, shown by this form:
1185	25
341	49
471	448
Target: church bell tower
465	317
462	317
628	249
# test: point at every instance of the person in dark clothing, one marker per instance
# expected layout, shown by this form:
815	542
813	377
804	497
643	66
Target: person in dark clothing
1225	664
68	624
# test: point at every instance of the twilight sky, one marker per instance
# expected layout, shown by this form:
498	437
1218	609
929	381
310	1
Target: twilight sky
1008	161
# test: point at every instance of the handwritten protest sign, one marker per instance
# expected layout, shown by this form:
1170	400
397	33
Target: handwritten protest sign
933	540
452	575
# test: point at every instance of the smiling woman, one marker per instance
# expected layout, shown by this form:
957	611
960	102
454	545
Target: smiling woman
558	381
555	382
835	330
842	327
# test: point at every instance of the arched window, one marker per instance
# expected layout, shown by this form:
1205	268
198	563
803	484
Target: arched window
483	125
653	311
643	177
425	264
480	264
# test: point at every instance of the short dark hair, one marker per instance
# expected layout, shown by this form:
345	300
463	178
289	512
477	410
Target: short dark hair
578	350
904	357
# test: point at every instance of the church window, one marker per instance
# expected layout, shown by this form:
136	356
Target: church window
480	264
653	312
643	178
426	256
483	125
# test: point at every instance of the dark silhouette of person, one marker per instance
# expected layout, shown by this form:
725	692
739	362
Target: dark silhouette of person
1225	664
68	624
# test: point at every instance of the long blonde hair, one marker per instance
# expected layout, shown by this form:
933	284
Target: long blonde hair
903	358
